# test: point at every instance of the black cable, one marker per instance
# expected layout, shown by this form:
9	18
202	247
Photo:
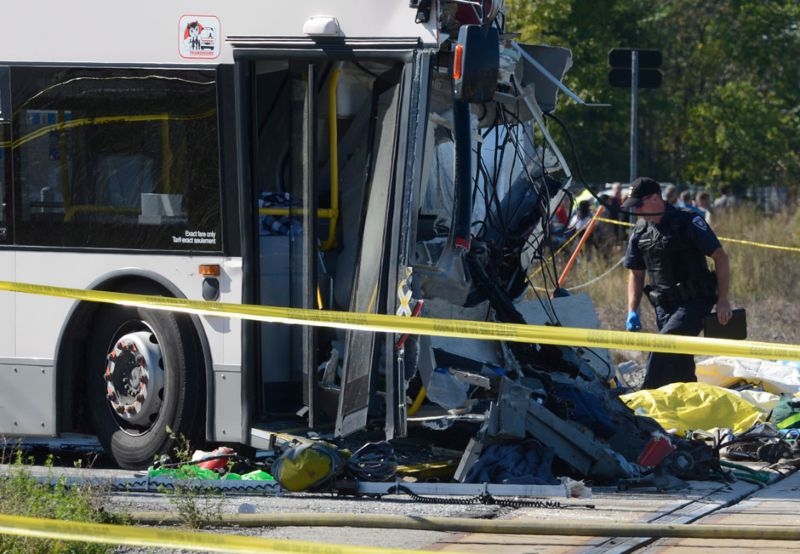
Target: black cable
543	200
513	135
517	149
580	172
484	498
601	359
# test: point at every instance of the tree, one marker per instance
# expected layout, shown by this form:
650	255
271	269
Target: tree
727	113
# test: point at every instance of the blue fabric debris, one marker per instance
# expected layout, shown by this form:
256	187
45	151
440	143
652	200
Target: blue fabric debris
584	408
279	224
525	463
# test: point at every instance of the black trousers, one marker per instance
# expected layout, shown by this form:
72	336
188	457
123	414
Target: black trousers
685	319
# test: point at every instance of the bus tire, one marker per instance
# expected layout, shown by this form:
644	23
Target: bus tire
144	384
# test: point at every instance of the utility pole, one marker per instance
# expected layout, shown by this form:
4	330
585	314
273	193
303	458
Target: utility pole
634	68
634	113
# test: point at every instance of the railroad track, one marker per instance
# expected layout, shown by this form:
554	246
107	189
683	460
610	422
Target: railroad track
266	514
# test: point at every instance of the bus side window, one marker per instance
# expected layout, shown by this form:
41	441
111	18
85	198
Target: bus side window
116	158
5	201
123	178
5	151
5	96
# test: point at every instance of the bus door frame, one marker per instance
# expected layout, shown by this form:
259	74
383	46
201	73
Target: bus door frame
399	223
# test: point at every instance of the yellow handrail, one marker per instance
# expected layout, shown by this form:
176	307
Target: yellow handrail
333	160
321	212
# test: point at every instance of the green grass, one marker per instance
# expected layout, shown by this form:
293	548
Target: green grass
197	509
22	494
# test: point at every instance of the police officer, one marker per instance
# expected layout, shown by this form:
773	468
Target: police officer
671	245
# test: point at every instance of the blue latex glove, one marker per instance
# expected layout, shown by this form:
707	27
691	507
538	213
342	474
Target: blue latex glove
633	323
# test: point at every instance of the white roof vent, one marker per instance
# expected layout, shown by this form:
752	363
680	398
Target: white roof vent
321	26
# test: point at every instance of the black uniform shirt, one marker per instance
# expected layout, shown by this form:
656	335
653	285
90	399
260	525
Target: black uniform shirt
696	230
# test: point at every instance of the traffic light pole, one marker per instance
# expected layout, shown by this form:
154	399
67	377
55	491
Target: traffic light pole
634	113
635	68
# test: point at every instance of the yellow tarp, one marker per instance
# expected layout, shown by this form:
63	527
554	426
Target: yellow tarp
682	407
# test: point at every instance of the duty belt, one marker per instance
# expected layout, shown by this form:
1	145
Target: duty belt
669	297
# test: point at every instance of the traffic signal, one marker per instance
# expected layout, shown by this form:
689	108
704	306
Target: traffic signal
649	62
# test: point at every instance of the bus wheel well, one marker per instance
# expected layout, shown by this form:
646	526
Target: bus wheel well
78	352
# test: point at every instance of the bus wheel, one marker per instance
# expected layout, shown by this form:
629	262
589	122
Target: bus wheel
142	397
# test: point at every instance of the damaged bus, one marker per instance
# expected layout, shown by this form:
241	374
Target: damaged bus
378	157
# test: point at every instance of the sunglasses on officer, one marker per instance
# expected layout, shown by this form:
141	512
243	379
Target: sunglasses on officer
640	202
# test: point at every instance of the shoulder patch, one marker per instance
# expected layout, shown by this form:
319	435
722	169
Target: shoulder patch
699	222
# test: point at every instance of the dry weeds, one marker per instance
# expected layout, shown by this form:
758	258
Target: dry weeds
765	281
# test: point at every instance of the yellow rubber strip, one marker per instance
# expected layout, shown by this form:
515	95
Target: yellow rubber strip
104	533
519	526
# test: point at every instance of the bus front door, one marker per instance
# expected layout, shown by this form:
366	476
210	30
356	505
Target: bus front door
323	144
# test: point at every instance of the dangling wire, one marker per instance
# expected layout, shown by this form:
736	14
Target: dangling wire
375	461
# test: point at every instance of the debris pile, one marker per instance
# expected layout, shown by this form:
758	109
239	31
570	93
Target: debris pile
511	414
535	433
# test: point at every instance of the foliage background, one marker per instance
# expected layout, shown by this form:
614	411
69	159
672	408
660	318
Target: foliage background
727	113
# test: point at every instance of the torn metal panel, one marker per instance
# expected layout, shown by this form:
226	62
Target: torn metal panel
360	353
571	311
471	454
512	401
631	433
573	445
553	60
463	361
471	379
482	351
447	391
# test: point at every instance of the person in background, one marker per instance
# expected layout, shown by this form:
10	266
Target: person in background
703	202
613	205
671	195
670	246
561	215
687	203
582	216
614	202
607	237
725	200
559	223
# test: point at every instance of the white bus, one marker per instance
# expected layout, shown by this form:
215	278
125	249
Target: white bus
288	154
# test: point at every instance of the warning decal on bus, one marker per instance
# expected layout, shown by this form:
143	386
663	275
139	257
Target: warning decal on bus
195	237
199	36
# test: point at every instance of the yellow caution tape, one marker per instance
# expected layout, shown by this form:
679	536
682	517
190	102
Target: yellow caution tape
105	533
614	221
761	244
723	239
484	330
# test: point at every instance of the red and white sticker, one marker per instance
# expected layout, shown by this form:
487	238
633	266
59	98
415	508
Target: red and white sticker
199	36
